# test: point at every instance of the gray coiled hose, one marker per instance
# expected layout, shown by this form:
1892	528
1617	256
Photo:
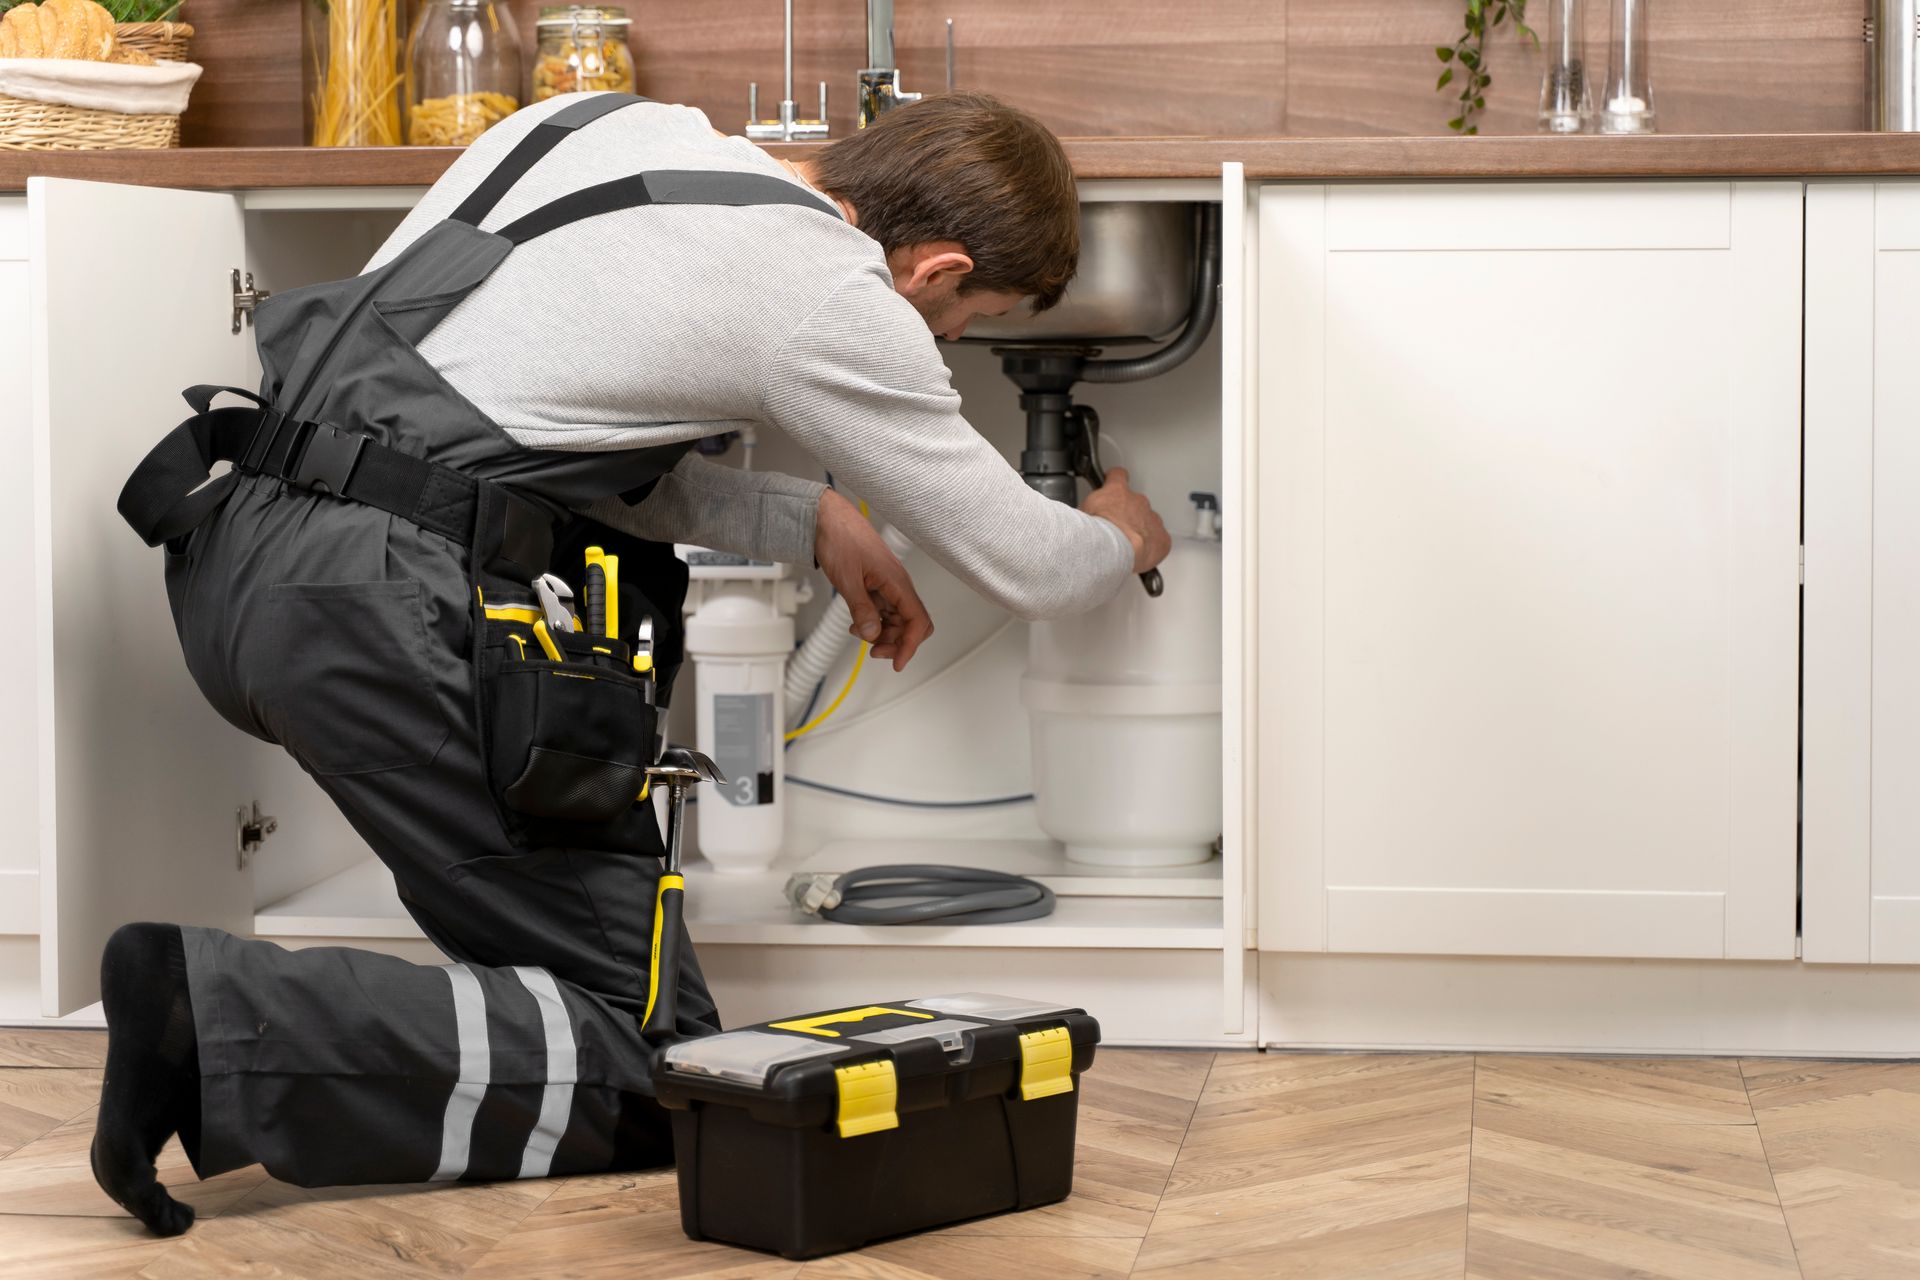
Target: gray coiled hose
952	895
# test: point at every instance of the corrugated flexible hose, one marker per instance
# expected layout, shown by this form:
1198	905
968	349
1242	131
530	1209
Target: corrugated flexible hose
947	895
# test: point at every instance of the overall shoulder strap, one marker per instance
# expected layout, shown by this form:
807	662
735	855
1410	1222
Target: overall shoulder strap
526	153
664	186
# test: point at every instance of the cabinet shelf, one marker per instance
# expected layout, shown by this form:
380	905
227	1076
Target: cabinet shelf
749	910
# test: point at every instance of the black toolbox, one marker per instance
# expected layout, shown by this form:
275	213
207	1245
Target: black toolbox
820	1133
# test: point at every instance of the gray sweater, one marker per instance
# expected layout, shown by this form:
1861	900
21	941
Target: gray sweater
670	323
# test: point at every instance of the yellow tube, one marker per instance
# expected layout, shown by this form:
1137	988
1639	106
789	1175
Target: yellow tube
859	660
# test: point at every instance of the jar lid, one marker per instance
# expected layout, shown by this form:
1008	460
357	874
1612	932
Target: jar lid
582	15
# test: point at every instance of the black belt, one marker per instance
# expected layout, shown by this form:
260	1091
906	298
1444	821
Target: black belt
169	495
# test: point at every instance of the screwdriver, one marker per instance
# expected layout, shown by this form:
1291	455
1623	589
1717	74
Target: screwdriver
595	592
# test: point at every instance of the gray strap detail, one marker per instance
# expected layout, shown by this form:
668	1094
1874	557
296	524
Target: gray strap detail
666	186
556	1102
720	186
590	108
476	1070
526	153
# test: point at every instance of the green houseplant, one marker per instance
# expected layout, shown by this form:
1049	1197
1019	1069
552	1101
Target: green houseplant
1466	58
126	10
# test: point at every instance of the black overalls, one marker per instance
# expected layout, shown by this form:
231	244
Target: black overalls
357	590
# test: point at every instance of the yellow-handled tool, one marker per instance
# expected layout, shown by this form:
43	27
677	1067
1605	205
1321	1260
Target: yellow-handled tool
643	646
594	591
679	768
612	566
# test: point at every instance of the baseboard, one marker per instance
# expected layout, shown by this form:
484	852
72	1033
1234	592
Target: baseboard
1459	1003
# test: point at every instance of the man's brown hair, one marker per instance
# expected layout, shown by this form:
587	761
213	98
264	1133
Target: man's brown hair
966	167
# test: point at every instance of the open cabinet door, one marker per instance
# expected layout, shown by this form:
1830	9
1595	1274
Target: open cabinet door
138	778
1239	510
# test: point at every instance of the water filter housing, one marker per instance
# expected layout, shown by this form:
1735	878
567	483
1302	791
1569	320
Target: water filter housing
1124	704
739	634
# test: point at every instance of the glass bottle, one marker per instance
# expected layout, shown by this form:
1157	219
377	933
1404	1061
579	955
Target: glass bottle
1566	100
463	71
351	72
1628	104
582	47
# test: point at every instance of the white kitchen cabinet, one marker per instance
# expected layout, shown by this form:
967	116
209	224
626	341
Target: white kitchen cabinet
1862	683
135	781
1529	457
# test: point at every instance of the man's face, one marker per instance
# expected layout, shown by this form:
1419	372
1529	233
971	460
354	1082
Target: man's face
949	312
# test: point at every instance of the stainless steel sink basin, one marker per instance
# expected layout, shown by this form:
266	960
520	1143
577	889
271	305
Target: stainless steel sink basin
1136	274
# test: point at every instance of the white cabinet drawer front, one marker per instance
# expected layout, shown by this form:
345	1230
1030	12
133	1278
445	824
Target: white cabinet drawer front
1533	661
1517	216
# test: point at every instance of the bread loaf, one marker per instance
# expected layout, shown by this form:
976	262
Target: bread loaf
77	29
23	24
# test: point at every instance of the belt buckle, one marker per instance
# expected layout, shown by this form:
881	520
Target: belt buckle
328	460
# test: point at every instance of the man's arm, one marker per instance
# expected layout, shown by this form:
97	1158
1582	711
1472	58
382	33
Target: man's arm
761	514
861	387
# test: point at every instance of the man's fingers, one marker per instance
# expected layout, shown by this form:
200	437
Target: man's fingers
915	625
865	621
1117	475
916	633
906	616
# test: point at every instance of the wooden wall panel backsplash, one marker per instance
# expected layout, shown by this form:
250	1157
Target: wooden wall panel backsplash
249	92
1137	67
1718	66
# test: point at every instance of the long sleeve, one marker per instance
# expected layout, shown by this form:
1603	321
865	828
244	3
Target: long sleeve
880	412
762	514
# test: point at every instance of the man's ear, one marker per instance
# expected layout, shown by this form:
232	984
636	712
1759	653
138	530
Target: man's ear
936	266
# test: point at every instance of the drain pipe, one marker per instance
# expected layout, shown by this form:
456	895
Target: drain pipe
1201	313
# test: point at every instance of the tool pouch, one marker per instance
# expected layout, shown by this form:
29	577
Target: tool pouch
568	742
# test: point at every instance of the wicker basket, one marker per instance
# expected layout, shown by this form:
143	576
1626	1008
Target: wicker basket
162	41
44	126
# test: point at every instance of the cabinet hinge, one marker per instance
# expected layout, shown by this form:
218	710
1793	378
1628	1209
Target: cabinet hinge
246	298
251	829
1803	564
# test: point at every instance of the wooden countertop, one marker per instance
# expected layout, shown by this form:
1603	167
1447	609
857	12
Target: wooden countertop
1720	156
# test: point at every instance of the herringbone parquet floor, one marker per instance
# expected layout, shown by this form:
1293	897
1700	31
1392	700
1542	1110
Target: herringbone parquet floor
1190	1164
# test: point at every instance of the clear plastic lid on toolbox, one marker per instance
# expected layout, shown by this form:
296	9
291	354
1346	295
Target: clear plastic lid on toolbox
748	1057
977	1004
950	1032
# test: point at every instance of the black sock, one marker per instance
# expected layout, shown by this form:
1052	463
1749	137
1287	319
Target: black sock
152	1089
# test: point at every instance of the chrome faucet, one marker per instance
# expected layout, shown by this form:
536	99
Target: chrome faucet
788	126
880	78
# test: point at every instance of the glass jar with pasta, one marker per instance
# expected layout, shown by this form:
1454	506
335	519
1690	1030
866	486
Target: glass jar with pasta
583	47
463	71
351	72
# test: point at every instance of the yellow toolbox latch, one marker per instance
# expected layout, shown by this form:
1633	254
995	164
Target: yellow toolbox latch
868	1094
1046	1063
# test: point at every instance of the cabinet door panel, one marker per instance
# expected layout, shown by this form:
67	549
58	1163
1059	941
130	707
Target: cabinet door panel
1837	601
1862	683
1545	617
1896	577
139	779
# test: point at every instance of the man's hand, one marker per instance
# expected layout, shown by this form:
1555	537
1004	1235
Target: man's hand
1135	517
887	612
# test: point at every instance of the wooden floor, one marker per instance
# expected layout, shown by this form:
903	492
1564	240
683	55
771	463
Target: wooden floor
1191	1164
